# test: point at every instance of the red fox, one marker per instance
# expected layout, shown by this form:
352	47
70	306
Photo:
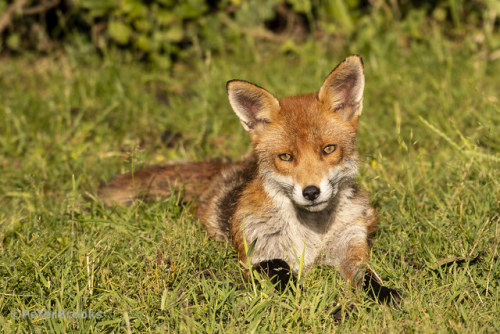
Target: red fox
294	199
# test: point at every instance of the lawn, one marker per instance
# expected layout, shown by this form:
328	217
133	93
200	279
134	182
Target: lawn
429	146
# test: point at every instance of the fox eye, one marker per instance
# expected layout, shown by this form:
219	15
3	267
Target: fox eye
328	149
285	157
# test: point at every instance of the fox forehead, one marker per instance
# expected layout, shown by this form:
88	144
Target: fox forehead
305	123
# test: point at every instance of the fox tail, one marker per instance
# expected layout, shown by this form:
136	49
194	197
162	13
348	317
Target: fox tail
159	182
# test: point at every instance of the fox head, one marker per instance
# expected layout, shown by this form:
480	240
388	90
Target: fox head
305	144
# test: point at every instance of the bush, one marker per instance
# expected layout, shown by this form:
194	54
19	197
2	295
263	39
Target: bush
166	30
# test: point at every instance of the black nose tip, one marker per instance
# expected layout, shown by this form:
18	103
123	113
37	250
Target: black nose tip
311	192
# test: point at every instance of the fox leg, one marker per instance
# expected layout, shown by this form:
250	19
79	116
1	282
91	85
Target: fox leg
278	270
348	252
352	265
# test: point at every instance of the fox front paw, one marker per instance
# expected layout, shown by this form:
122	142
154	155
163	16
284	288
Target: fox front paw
278	271
379	292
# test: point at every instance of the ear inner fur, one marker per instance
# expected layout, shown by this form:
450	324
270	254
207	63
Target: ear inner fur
251	103
343	89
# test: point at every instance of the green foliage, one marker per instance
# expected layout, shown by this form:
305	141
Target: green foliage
166	30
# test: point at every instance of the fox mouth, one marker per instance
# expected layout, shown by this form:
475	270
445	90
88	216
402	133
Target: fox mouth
315	204
319	206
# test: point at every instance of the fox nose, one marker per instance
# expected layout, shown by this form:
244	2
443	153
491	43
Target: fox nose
311	192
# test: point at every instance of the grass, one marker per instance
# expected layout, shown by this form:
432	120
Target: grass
430	159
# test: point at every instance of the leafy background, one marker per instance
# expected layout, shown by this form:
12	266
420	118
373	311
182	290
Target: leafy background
167	30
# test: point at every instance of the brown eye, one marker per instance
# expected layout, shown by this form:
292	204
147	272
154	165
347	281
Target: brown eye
285	157
329	149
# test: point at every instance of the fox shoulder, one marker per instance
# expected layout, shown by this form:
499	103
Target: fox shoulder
217	205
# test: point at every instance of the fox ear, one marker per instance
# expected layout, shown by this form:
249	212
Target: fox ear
343	89
252	104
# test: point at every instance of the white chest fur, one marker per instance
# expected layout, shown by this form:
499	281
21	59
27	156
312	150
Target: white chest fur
289	234
283	235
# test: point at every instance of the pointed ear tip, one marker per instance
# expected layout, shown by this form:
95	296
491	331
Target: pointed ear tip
237	83
229	83
356	58
234	85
